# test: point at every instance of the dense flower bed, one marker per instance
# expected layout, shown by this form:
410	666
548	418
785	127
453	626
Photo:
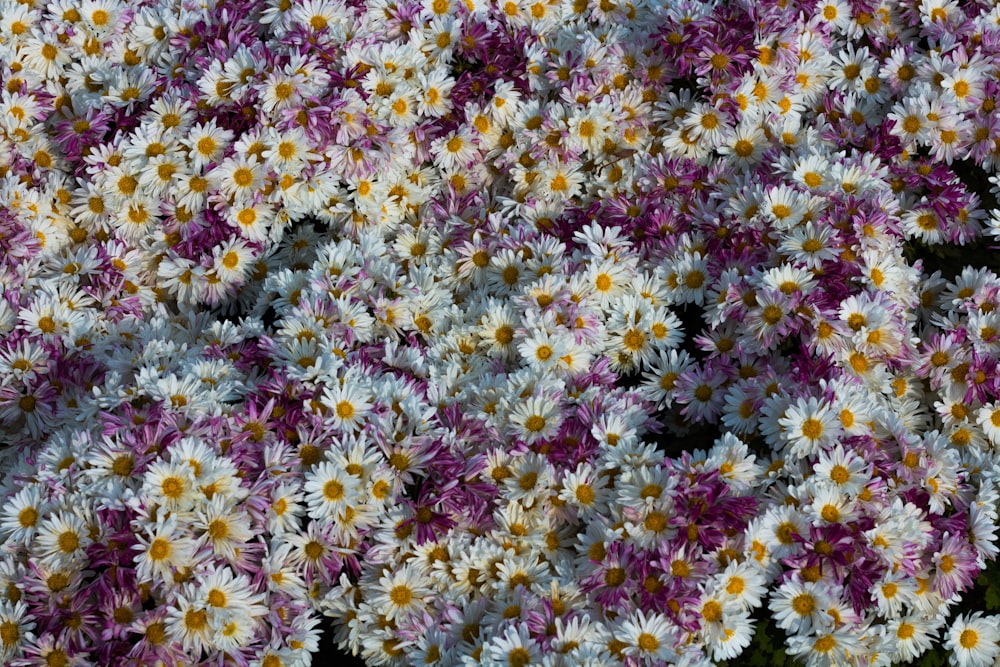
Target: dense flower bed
378	311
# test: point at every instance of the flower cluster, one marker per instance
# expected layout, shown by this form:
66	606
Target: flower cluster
380	311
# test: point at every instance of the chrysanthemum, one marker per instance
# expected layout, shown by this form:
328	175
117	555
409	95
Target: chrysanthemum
974	639
536	418
21	514
187	622
347	405
15	628
912	635
514	647
63	539
232	260
226	529
648	637
798	606
843	469
239	177
808	426
164	548
329	489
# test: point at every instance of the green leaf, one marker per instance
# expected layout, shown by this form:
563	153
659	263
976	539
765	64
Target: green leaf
992	597
932	658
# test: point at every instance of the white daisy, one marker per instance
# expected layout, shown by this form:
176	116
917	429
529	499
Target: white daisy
536	418
329	489
809	426
170	485
15	628
649	637
62	539
21	513
974	640
163	549
206	143
401	593
348	406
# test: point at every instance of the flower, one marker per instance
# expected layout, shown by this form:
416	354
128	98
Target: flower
537	418
974	640
648	636
161	550
809	426
348	406
329	489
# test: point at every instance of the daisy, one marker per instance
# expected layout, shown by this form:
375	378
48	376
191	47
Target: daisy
252	220
239	178
785	207
15	628
809	426
45	57
537	418
233	629
834	13
162	548
226	529
329	489
830	647
187	623
529	480
649	637
923	223
514	647
892	592
744	583
435	100
583	489
912	635
289	150
843	469
170	485
206	144
62	539
227	594
798	606
974	639
988	418
348	406
21	514
454	150
542	350
232	260
744	148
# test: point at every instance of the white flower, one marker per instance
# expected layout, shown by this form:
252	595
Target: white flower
797	606
401	593
329	489
973	640
809	426
63	539
348	405
648	637
15	628
21	514
842	468
164	549
170	485
912	635
232	260
536	418
227	529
